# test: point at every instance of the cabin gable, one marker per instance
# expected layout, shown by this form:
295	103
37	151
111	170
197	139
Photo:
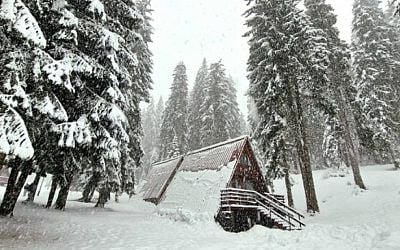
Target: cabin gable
247	173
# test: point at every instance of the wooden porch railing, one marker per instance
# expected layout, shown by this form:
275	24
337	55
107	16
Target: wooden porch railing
267	204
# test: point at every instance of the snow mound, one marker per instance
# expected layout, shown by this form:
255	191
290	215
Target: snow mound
369	220
195	194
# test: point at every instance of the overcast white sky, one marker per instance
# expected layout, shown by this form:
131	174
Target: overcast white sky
189	30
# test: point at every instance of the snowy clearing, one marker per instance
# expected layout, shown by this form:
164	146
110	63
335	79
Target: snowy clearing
350	219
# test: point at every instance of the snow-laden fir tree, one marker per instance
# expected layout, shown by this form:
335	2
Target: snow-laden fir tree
122	49
372	71
159	114
97	54
152	120
339	135
150	137
197	96
393	23
159	111
237	127
288	62
244	126
33	83
220	115
173	135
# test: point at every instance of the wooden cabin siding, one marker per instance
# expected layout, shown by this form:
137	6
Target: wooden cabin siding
247	174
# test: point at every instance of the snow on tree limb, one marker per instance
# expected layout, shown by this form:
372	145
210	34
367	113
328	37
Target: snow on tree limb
23	21
7	10
97	8
14	137
73	134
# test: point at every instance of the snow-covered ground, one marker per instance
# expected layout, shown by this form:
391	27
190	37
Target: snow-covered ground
349	219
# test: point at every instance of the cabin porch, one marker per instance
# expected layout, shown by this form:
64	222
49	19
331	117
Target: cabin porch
241	209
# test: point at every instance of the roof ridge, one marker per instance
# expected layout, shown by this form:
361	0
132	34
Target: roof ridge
220	144
167	160
200	150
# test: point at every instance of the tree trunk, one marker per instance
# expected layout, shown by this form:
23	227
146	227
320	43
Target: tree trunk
344	154
288	188
14	186
350	145
63	193
89	189
52	192
302	148
33	188
2	161
103	197
395	160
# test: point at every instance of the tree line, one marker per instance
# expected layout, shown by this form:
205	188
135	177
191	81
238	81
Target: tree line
206	115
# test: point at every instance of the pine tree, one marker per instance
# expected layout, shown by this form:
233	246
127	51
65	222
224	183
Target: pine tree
287	63
244	126
159	113
159	119
340	127
196	99
393	23
150	137
235	125
372	70
34	81
175	116
220	115
95	56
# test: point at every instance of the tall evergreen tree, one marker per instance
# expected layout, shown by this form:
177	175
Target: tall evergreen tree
287	63
196	100
173	135
220	115
150	137
159	113
88	65
372	65
33	82
341	127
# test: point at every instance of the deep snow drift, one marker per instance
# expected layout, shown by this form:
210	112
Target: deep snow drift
349	219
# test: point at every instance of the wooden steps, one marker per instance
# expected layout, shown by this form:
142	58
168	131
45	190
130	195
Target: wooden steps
269	210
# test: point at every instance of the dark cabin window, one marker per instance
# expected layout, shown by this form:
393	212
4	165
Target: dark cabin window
244	160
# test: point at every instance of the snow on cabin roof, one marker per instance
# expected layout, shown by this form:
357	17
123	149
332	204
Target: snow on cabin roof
195	188
213	157
208	161
159	175
195	194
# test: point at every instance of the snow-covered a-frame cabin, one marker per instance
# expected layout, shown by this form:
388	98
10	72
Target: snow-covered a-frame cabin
222	181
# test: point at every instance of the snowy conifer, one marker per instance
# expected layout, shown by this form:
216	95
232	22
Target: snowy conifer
287	62
150	136
175	116
339	143
220	116
96	52
372	70
34	81
196	99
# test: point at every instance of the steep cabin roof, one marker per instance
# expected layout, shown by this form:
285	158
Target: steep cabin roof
159	177
196	186
213	157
